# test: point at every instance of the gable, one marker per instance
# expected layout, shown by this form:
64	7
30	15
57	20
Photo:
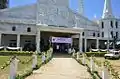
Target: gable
56	15
60	16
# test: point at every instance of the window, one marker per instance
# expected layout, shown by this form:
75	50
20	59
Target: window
102	25
102	34
98	34
13	28
116	24
93	34
83	34
112	34
116	34
28	29
111	23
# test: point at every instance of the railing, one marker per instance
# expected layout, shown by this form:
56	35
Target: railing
22	66
98	69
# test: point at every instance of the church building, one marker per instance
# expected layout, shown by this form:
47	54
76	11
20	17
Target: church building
47	23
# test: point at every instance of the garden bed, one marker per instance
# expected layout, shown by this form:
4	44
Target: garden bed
4	73
114	63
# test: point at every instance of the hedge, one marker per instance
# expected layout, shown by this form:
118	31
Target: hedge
96	54
18	53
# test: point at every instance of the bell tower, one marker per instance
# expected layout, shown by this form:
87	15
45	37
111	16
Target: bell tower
107	12
81	7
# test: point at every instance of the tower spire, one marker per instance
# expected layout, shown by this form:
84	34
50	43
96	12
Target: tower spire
107	12
81	7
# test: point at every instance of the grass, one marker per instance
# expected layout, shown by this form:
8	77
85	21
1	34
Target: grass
115	63
5	72
21	67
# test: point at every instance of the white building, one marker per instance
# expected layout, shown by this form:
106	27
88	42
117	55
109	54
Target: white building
38	23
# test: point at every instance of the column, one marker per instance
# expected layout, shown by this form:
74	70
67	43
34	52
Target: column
0	38
80	42
18	40
38	41
85	44
97	42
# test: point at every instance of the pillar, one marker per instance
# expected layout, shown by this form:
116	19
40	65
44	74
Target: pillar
105	73
92	65
97	42
0	38
85	44
38	41
80	42
13	68
18	40
34	62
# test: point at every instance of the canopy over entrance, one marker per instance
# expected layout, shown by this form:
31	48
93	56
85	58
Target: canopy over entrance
58	36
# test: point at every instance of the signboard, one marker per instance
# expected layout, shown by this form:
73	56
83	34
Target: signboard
61	40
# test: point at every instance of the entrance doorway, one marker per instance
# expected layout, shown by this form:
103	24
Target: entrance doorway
60	47
61	44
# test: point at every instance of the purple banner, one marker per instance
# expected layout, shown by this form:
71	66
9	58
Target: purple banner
61	40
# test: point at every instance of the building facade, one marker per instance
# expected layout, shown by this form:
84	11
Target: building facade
33	26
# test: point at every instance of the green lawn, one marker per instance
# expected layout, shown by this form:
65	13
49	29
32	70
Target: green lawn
115	63
21	67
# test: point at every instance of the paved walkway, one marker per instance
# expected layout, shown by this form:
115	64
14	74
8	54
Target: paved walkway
61	68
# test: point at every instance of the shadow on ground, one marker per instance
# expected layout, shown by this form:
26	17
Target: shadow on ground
61	55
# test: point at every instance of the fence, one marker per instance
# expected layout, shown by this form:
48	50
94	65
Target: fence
98	69
24	65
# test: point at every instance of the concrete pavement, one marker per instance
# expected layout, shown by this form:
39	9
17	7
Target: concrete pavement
61	68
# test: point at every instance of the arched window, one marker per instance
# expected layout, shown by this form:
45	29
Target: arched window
116	24
116	34
98	34
83	34
112	34
93	34
111	23
102	25
13	28
28	29
102	34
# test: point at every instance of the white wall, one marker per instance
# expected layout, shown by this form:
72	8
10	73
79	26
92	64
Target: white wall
6	28
107	27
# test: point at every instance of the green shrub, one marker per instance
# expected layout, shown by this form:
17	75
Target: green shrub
18	53
24	74
96	54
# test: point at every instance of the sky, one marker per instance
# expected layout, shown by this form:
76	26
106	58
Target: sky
91	7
